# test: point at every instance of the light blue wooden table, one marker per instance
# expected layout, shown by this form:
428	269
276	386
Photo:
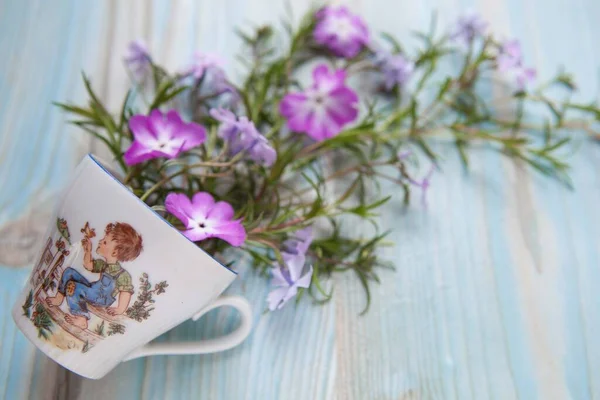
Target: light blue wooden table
497	288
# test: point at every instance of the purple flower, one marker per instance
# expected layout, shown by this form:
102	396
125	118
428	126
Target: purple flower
161	135
510	55
340	31
242	135
209	80
396	68
203	218
287	279
323	109
424	184
299	243
510	59
138	59
524	76
469	26
206	64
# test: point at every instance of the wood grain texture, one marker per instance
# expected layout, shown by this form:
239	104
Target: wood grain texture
495	293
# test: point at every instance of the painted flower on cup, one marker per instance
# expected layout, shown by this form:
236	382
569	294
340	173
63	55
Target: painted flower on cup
204	218
138	59
161	135
322	110
342	32
396	68
241	135
287	279
468	27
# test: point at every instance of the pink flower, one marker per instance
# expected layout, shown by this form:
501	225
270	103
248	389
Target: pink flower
323	109
203	218
287	279
340	31
161	135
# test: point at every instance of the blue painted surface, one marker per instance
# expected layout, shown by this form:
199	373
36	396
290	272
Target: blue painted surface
496	289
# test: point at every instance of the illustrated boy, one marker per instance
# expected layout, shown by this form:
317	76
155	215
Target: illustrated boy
121	243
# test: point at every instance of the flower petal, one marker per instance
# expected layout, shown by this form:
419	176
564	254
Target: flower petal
191	135
174	118
139	126
138	153
196	234
202	202
223	115
232	232
326	81
305	280
180	206
343	107
221	211
276	297
263	154
295	265
277	278
295	108
161	127
322	126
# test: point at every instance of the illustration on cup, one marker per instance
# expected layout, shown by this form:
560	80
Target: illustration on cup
76	306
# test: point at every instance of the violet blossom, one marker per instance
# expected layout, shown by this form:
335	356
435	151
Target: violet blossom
287	279
138	59
469	26
524	76
510	59
322	110
241	135
423	184
203	218
209	81
161	135
206	65
509	56
396	68
344	33
299	243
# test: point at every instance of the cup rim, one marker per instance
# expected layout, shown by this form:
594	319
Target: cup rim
104	168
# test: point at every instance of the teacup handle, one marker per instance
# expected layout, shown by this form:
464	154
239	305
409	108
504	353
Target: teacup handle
215	345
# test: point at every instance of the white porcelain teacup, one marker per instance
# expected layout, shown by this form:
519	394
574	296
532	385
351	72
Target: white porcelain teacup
113	275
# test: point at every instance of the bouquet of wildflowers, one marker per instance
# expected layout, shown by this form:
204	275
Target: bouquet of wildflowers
270	163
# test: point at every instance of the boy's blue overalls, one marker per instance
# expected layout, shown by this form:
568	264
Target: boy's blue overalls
98	293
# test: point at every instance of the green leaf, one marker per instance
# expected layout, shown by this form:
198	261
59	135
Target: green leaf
364	210
444	88
83	112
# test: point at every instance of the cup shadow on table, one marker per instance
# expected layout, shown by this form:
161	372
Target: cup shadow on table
60	383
